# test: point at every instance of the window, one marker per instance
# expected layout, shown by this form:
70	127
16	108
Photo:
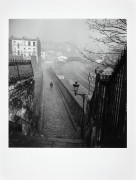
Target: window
33	43
29	44
18	45
18	53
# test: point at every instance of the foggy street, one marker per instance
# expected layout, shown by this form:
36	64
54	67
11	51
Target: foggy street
86	104
56	121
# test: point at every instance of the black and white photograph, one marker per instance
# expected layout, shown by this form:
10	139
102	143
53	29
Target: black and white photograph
68	83
68	86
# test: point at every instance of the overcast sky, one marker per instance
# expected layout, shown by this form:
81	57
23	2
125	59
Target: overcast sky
51	30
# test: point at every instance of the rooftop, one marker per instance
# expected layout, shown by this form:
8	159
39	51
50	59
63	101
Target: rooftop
23	38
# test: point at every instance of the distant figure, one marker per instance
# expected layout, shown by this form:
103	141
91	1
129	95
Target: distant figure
51	85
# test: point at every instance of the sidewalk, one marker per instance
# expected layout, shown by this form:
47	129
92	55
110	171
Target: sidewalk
56	121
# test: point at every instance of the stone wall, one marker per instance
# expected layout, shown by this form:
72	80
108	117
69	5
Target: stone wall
38	92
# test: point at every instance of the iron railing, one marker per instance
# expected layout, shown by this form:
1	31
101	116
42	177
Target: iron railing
106	112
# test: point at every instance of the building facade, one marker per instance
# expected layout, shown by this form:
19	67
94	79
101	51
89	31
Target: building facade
43	54
25	47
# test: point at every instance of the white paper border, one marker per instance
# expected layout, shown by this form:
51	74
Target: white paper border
60	164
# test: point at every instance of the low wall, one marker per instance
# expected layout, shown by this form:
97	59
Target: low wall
38	92
74	108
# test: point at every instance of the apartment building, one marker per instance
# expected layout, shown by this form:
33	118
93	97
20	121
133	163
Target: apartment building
25	47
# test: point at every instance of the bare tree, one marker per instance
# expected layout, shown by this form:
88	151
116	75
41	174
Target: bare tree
111	33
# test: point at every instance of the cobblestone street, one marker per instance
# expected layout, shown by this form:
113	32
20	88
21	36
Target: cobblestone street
56	121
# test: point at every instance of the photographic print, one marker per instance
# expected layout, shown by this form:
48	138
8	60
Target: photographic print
67	83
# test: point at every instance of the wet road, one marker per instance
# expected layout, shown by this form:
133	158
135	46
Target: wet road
56	121
75	71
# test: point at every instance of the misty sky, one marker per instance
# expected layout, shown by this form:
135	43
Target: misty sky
51	30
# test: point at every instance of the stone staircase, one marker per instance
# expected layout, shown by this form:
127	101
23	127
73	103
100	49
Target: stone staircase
43	142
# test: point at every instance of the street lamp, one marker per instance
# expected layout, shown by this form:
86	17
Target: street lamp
76	86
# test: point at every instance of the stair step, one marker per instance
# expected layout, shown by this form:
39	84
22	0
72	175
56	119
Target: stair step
66	140
32	141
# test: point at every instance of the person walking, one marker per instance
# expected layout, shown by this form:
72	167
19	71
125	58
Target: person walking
51	85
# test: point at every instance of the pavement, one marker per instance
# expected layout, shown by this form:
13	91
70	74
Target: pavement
56	120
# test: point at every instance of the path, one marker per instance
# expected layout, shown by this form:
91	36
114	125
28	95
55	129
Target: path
56	121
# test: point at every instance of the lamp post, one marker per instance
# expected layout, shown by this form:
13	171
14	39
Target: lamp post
76	86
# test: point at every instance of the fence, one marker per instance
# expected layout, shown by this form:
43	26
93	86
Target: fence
19	70
106	122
